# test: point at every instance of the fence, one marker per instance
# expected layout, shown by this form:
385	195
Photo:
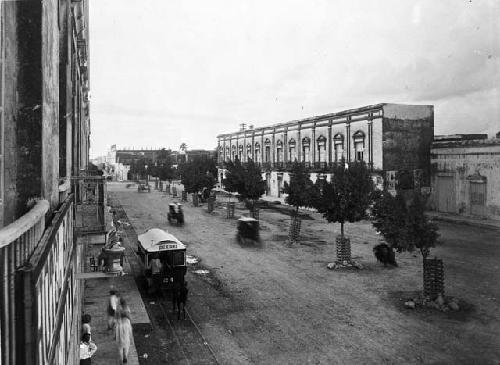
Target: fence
17	242
49	291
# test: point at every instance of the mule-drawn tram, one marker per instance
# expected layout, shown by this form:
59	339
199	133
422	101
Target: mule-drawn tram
163	257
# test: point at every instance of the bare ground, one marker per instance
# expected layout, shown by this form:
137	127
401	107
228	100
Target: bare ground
276	304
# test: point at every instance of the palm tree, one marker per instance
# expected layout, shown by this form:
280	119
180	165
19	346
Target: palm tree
183	147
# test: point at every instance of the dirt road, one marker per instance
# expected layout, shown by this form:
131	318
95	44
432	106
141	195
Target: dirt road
274	304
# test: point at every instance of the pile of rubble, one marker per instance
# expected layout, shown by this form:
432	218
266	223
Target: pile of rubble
346	264
440	303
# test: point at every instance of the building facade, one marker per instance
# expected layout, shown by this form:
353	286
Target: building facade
391	138
466	175
44	143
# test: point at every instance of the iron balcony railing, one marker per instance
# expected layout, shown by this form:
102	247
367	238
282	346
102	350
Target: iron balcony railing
18	241
318	166
50	294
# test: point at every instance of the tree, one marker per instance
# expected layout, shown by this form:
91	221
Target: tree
163	168
198	175
246	180
300	193
405	228
234	181
389	215
138	167
421	233
183	147
345	199
253	185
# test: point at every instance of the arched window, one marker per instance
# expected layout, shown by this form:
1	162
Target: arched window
257	152
306	149
233	152
292	151
279	151
227	154
321	143
359	145
338	147
240	152
249	151
267	145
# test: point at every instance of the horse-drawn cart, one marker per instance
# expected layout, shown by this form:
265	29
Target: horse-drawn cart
175	213
248	230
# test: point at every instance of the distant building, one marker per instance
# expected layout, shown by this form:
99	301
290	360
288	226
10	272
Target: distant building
190	155
393	139
466	175
129	156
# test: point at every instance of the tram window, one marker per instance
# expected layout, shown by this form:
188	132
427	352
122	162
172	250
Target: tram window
179	258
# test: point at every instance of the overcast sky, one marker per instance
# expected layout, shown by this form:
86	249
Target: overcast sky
165	72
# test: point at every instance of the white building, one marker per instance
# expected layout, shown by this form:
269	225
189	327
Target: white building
390	138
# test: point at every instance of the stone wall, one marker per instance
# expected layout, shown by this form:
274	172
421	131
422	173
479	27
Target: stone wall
407	135
23	106
465	164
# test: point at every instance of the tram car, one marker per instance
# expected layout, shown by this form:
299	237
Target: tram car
164	259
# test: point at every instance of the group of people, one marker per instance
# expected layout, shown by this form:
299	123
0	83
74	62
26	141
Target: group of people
118	320
87	346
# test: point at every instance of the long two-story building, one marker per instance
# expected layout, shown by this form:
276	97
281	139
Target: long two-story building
393	139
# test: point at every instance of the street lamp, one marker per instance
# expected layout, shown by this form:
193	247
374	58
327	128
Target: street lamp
146	167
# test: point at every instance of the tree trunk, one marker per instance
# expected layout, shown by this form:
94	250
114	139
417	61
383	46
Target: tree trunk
343	246
433	272
294	232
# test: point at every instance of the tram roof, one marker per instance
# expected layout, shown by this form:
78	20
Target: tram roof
156	239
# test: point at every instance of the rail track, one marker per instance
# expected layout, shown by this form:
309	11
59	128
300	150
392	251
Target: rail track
186	344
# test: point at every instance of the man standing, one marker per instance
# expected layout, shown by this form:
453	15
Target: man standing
156	268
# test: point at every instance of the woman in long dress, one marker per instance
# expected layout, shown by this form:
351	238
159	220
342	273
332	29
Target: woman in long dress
123	336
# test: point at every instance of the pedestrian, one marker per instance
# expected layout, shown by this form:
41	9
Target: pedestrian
181	300
123	308
87	349
123	336
112	306
86	318
156	268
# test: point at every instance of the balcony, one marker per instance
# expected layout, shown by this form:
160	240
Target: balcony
18	241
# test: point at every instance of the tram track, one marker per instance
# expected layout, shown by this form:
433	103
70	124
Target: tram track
192	345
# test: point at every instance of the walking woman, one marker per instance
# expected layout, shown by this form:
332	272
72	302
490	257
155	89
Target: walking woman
123	335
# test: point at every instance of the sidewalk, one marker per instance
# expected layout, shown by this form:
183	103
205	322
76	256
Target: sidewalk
438	216
95	303
459	219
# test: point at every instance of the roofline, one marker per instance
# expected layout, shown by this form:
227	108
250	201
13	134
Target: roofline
340	114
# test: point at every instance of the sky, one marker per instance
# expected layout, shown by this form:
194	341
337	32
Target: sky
164	72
